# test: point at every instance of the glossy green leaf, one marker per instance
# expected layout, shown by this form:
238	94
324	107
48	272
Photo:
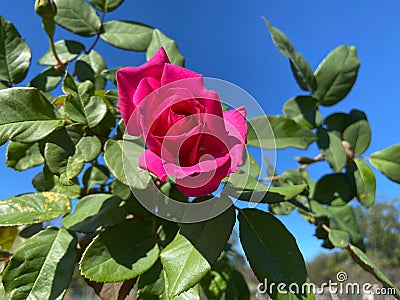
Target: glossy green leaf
301	69
67	50
15	54
42	267
87	150
48	79
368	263
341	218
286	133
106	5
77	16
271	250
47	182
195	248
158	40
339	238
25	116
119	253
304	111
60	145
127	35
32	208
23	156
95	211
89	67
118	165
96	174
357	131
365	181
334	189
332	149
388	162
84	107
151	283
336	75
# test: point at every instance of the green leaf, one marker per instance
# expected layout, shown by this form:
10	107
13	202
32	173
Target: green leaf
47	182
332	149
369	264
158	40
60	145
304	111
84	107
25	116
106	5
89	67
42	267
336	75
23	156
66	51
151	283
388	162
127	35
113	156
341	218
32	208
96	174
364	180
271	251
77	16
119	253
195	248
48	79
95	211
87	150
334	189
111	74
357	131
339	238
237	287
15	54
286	133
301	69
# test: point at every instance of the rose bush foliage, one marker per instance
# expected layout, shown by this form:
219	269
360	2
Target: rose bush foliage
72	119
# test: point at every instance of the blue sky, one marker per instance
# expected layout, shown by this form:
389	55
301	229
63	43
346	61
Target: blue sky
229	40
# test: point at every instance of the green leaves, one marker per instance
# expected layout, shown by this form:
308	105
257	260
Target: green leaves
158	40
336	75
95	211
33	208
286	133
304	111
271	250
66	50
196	247
25	116
42	267
81	105
77	16
106	5
332	149
15	54
334	189
89	67
388	162
300	67
48	79
119	253
365	181
127	35
23	156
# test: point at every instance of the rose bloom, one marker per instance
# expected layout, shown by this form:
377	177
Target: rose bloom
187	134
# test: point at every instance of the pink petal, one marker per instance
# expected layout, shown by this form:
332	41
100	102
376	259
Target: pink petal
173	73
152	163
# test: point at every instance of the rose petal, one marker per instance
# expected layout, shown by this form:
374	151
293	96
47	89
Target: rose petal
152	163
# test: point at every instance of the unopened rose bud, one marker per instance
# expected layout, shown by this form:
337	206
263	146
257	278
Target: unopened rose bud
46	8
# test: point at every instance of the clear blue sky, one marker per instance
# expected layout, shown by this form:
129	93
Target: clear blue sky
229	40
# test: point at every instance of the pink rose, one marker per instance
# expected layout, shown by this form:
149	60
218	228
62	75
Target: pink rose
187	134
